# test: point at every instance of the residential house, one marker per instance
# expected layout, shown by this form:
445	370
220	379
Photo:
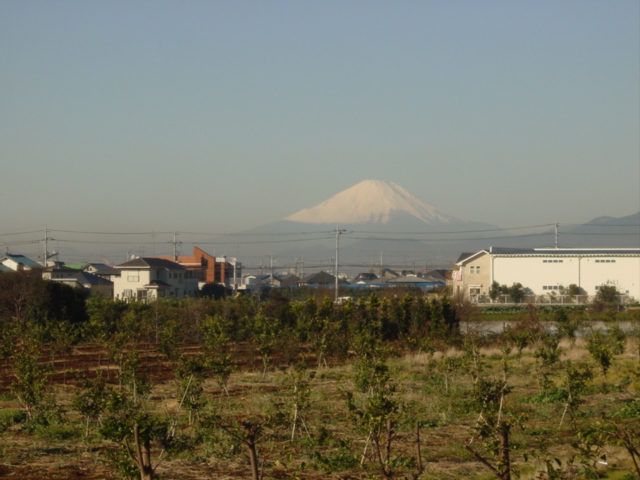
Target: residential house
365	277
320	279
93	284
17	262
148	278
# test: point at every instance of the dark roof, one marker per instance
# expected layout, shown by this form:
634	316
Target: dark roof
564	251
510	251
436	274
108	271
320	278
94	279
84	278
464	256
366	276
289	280
97	266
151	262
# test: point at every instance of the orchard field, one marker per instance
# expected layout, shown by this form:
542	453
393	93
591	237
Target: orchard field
394	385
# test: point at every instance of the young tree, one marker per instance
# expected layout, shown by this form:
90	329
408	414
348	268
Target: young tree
600	349
299	381
608	294
516	293
494	291
129	422
547	354
91	401
217	349
31	386
492	428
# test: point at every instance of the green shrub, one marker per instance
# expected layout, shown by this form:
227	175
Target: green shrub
628	410
59	432
336	461
10	417
556	395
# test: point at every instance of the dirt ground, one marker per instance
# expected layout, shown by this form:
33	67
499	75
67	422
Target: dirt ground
27	457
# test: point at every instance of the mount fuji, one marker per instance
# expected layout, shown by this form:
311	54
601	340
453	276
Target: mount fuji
378	221
372	202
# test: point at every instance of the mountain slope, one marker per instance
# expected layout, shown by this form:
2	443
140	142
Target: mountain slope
603	232
372	202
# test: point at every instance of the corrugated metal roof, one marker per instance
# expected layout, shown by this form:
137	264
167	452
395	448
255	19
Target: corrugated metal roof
565	251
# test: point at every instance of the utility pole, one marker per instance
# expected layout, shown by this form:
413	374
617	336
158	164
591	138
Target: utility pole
175	246
338	232
46	247
271	260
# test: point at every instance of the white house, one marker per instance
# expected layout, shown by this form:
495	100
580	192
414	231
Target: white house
147	278
18	262
548	270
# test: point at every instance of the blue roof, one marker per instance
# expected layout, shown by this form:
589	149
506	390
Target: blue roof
27	262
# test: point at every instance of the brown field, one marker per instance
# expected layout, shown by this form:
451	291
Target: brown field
329	442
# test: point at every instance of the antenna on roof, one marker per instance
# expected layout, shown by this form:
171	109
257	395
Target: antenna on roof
556	235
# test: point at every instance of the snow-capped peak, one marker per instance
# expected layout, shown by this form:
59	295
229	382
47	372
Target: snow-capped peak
371	201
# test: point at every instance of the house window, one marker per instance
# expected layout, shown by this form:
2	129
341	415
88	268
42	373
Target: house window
474	291
142	294
605	261
133	277
474	269
127	293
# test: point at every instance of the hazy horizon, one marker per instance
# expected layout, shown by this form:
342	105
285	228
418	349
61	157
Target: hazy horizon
222	116
376	219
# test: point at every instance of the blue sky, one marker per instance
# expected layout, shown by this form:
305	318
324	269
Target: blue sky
218	116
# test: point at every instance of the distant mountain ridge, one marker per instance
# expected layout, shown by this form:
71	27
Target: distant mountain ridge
615	232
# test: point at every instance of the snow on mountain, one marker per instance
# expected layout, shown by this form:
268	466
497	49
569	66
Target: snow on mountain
371	201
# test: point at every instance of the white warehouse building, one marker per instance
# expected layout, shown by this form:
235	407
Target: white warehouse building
549	270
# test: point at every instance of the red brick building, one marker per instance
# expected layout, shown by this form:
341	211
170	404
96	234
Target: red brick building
206	268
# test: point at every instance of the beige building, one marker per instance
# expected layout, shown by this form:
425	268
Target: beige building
548	271
148	278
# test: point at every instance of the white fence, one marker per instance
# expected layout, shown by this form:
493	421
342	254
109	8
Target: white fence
545	299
